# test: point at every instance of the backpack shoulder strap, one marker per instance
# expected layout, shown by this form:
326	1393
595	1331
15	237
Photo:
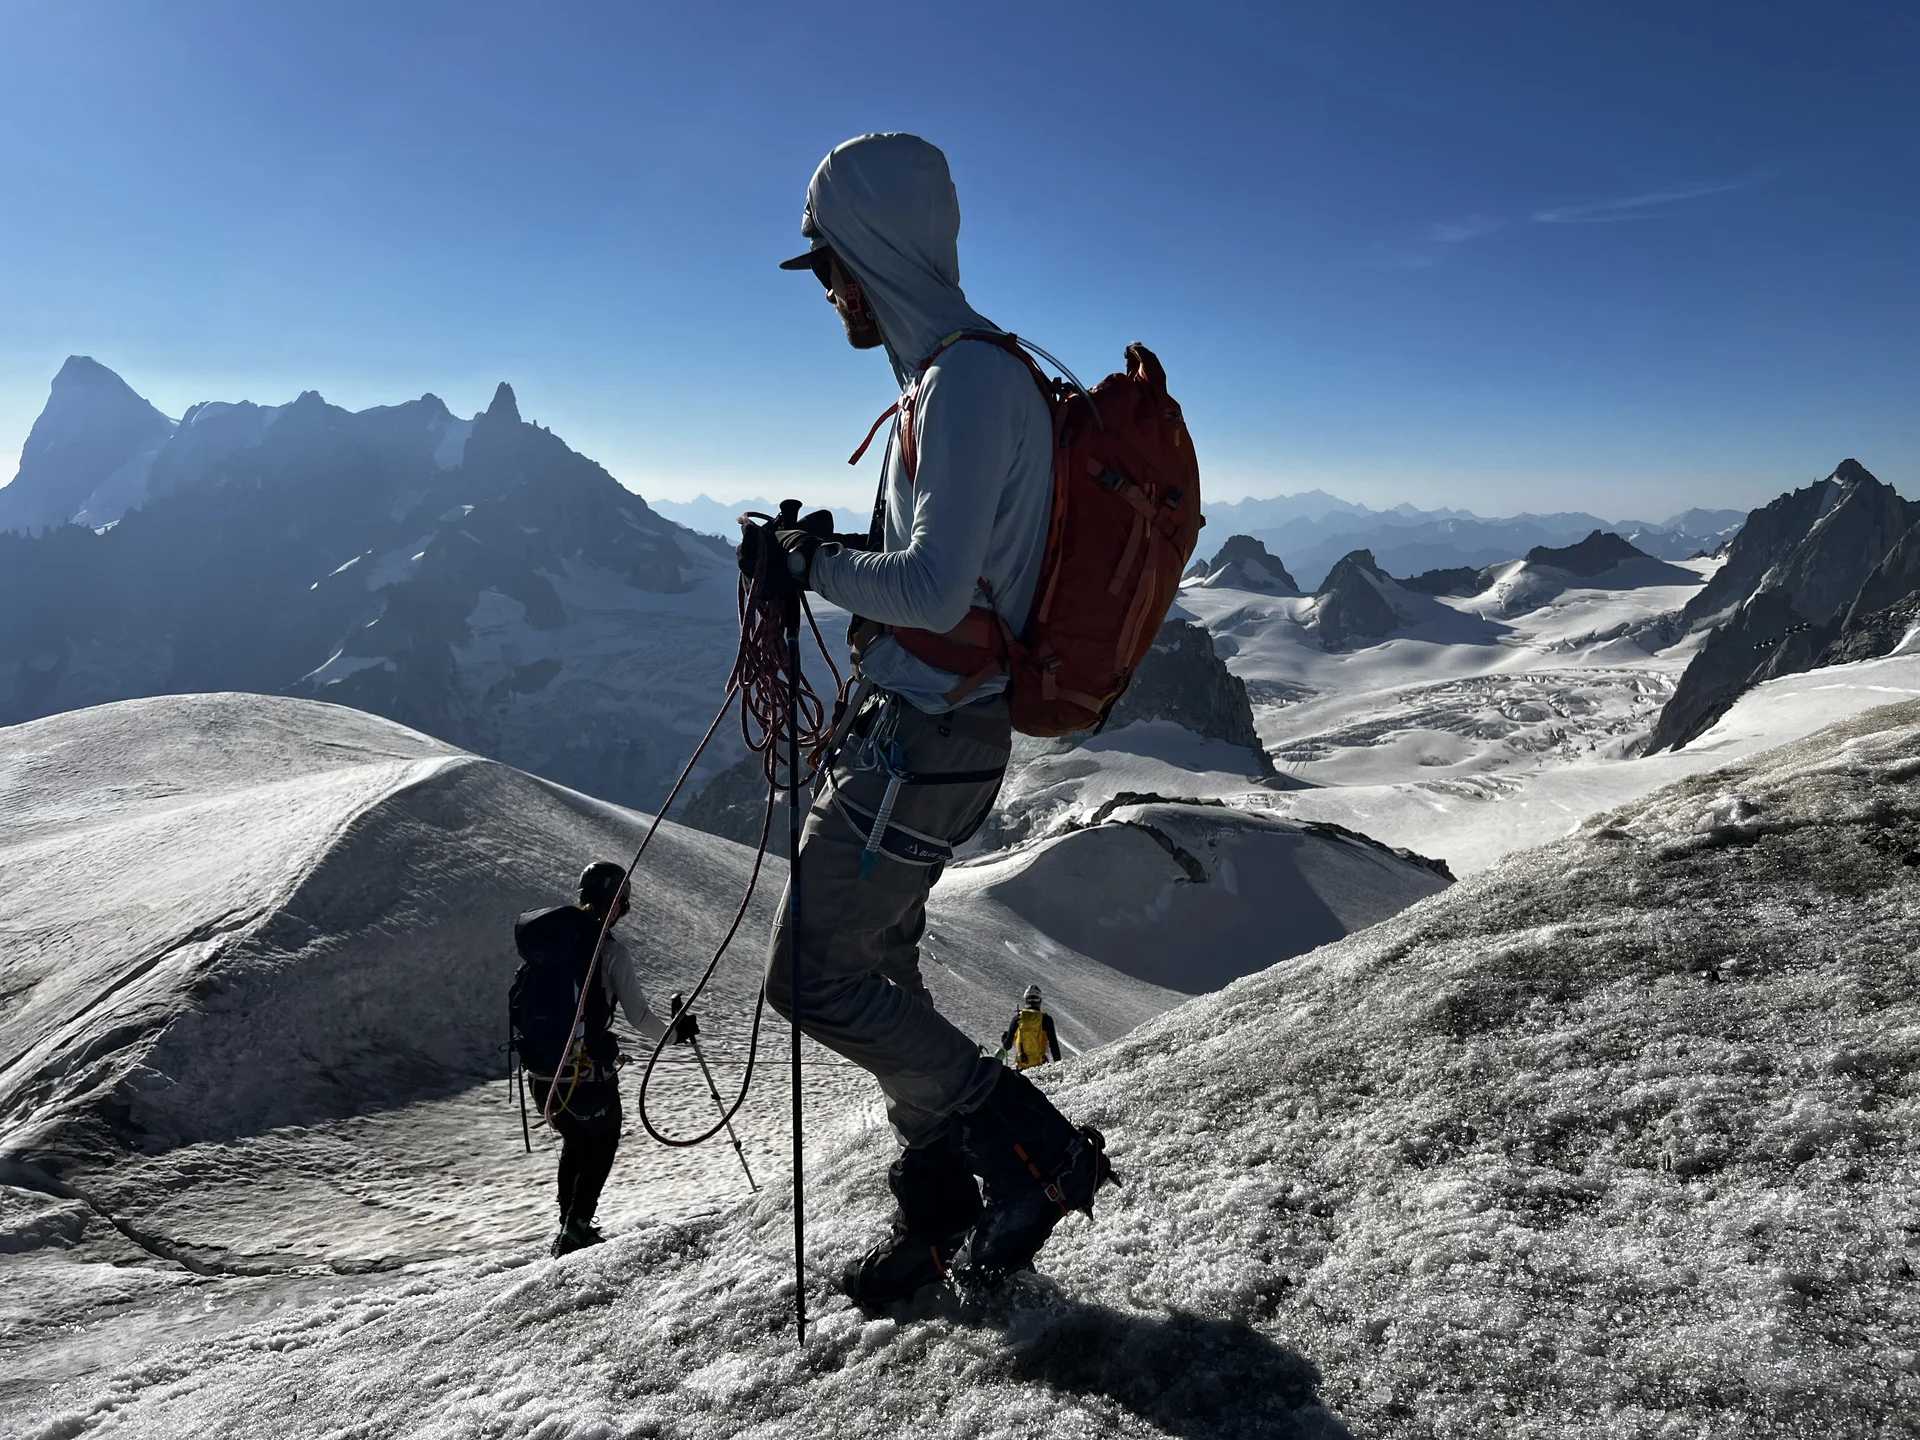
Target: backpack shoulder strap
903	407
998	338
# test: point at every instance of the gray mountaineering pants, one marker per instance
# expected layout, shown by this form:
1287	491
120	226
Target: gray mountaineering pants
861	994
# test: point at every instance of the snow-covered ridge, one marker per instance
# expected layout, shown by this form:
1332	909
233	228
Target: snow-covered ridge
296	913
1618	1134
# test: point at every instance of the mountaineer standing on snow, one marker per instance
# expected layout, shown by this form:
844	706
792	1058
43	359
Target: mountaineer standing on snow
962	523
579	1066
1030	1040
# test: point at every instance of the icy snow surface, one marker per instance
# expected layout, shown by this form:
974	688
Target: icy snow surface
1617	1137
257	953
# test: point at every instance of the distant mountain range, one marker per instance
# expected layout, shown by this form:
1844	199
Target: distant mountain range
708	516
1823	575
1309	533
475	578
470	577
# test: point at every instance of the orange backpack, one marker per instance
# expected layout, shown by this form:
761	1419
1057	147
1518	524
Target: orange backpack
1126	516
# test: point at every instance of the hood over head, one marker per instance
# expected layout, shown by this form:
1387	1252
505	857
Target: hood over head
887	206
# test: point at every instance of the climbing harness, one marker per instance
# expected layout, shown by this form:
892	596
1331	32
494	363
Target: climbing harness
879	750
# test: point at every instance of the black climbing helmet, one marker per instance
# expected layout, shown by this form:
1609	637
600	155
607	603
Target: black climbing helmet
1032	998
600	882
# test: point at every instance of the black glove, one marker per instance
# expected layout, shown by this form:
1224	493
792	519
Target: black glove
796	539
684	1026
799	539
747	552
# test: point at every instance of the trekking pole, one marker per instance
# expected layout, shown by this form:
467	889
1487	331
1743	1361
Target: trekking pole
714	1090
677	1007
526	1135
793	943
516	1075
793	962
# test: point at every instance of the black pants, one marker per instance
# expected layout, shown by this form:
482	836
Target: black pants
589	1129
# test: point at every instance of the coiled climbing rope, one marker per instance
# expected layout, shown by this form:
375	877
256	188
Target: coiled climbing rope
760	681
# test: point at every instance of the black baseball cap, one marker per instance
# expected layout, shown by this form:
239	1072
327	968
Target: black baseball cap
808	259
814	257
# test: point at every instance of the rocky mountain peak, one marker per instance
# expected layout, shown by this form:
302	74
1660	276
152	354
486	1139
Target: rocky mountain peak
1183	679
1598	553
1244	563
1347	568
1352	603
83	372
94	429
504	406
1793	575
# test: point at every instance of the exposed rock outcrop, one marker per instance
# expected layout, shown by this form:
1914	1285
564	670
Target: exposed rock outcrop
1243	563
1452	580
1883	614
1880	632
734	805
1599	552
1185	681
1790	578
1355	602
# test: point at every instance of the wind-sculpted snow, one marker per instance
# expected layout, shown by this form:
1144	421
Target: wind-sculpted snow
1614	1139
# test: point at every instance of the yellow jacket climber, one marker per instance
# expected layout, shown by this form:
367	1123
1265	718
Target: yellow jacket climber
1030	1040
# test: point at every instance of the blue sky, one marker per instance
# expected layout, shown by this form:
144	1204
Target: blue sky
1619	257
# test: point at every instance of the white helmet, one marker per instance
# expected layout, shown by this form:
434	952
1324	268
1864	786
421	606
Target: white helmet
1032	998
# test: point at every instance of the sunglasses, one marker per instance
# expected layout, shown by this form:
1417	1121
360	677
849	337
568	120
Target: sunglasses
821	263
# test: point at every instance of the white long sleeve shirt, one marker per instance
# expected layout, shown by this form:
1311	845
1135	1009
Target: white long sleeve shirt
621	980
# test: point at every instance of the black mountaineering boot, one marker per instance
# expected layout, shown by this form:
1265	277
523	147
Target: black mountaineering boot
938	1203
1037	1166
574	1235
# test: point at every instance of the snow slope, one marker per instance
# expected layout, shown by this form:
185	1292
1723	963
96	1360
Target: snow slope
1189	897
253	937
251	1005
1614	1139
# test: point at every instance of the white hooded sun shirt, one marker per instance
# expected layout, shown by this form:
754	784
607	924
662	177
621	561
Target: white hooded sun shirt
982	492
